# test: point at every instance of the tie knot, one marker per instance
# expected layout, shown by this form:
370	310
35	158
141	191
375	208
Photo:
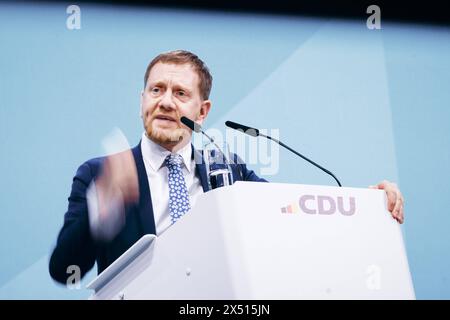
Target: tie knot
174	160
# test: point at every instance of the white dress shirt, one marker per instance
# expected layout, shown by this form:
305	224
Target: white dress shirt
157	173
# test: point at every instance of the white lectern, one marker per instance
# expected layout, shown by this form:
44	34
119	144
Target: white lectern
269	241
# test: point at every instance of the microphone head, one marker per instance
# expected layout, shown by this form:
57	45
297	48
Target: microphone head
191	124
248	130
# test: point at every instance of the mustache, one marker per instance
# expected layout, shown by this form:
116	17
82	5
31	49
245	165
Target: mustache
172	116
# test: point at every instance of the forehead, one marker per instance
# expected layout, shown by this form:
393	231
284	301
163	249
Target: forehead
177	73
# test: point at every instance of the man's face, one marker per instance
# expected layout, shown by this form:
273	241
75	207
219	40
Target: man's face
172	91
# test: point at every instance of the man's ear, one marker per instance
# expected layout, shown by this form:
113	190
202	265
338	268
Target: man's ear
204	110
141	112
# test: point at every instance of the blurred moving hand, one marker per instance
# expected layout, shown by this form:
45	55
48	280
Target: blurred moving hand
115	187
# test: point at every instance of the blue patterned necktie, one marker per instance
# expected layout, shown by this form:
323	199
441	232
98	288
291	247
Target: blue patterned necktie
178	194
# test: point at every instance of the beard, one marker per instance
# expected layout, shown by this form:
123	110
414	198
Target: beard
165	135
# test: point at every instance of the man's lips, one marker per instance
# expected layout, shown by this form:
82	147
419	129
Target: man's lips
166	118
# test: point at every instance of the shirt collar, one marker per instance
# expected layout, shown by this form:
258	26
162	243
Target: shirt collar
155	155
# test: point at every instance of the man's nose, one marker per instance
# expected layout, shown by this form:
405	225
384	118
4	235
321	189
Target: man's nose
167	101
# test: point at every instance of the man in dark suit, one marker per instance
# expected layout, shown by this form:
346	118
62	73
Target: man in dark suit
117	199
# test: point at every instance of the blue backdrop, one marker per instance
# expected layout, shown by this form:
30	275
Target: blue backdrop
367	104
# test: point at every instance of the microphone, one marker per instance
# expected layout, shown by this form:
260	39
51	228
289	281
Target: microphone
194	126
255	133
198	128
248	130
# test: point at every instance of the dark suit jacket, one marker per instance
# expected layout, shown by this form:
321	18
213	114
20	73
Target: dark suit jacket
75	245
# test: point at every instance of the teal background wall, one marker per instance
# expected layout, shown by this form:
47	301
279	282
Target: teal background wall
367	104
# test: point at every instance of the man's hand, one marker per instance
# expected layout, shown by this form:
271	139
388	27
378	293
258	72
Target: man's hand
119	177
116	186
394	198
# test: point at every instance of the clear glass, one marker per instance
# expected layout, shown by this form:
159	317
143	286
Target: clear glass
217	161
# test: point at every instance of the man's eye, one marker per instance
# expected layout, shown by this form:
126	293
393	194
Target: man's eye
155	90
181	93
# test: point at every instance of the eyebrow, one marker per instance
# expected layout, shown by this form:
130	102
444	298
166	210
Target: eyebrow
161	83
156	84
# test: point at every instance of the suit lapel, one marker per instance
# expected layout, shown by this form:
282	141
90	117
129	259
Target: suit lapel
200	168
145	198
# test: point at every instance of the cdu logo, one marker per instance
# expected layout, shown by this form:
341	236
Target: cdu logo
322	204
